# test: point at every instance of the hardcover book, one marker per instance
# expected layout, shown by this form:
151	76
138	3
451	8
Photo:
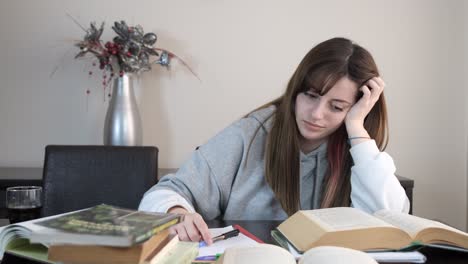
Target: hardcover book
102	225
91	254
352	228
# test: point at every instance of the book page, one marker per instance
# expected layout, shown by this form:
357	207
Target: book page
19	230
260	254
410	223
344	218
220	246
333	255
386	256
23	248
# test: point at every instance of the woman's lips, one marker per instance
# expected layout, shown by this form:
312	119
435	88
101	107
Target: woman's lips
313	126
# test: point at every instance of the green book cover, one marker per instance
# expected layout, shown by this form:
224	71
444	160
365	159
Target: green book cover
21	247
279	239
103	225
416	245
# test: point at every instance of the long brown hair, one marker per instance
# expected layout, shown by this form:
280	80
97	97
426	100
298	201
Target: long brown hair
322	67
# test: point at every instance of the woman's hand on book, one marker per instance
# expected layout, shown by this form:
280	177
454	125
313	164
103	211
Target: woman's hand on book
192	227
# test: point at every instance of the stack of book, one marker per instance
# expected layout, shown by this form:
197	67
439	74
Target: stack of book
101	234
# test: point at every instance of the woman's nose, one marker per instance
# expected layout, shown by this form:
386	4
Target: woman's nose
317	111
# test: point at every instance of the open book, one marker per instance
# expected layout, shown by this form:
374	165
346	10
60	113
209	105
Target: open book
385	256
353	228
270	254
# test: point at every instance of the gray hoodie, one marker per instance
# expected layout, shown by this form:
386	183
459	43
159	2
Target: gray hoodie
221	181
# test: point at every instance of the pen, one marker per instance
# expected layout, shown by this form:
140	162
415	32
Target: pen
209	258
224	236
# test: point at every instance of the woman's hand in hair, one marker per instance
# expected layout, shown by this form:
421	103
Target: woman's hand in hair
371	92
192	227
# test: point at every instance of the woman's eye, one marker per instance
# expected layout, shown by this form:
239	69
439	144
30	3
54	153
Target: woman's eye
337	108
311	95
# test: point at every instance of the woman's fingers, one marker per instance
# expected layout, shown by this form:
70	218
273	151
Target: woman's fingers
371	92
179	229
380	81
203	229
365	91
366	95
192	231
193	228
376	88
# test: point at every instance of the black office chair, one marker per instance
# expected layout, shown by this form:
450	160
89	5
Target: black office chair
77	177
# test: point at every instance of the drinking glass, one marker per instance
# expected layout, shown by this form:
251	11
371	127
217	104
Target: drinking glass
23	203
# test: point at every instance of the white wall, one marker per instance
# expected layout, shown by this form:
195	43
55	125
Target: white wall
465	85
244	52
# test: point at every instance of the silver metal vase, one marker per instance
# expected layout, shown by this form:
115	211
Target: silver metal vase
122	126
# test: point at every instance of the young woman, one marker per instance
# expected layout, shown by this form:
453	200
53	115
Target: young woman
318	145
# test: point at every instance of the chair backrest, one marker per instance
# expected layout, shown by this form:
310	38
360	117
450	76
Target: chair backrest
77	177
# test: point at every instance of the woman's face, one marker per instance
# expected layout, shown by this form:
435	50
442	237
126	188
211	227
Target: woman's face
317	116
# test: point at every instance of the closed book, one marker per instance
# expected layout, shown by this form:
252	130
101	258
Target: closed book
103	225
105	254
